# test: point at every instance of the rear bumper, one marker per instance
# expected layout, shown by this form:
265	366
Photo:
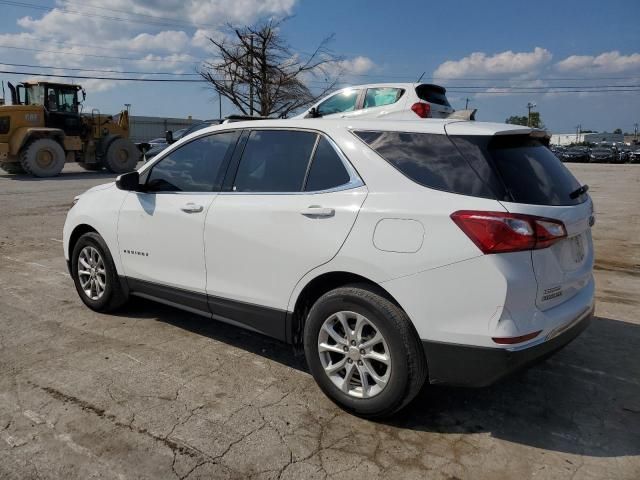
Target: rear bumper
471	366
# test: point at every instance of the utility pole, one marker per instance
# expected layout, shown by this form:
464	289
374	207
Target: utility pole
530	105
251	75
466	105
635	131
578	132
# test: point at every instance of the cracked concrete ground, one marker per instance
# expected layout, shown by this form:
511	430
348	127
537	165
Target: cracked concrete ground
154	392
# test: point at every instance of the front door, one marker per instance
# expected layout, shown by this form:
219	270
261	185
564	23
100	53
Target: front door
160	230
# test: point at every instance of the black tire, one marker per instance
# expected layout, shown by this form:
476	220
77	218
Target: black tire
92	167
13	168
122	156
114	295
43	157
408	363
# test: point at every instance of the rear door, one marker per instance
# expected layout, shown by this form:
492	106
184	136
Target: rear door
282	216
537	183
378	102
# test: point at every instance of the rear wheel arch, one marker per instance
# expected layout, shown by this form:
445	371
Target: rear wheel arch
317	287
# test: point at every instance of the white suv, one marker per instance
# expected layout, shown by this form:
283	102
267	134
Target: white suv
394	252
394	101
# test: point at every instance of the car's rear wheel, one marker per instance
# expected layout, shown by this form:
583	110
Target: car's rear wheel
363	351
94	274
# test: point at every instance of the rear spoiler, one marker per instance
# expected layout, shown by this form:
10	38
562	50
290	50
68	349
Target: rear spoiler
463	115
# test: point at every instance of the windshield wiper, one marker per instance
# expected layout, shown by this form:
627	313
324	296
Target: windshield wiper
579	191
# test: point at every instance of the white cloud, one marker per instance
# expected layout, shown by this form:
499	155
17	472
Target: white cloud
162	36
504	63
356	65
607	62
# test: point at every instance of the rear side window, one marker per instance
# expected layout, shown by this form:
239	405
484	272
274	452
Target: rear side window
428	159
327	170
274	161
529	171
378	97
432	94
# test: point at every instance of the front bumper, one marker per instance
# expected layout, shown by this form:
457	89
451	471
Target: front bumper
471	366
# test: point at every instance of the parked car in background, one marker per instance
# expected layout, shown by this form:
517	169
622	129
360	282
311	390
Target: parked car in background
575	154
624	154
602	155
157	147
379	247
398	101
634	154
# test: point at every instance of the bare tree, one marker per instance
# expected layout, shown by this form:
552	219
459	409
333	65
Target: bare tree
259	72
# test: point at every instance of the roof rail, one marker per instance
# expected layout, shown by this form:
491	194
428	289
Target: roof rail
242	118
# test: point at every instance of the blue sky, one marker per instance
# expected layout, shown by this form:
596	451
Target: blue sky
534	45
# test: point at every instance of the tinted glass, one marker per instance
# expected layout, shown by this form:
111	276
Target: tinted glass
432	94
377	97
341	102
430	160
327	170
274	161
197	166
529	171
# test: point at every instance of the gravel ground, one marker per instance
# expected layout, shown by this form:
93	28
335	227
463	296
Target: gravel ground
154	392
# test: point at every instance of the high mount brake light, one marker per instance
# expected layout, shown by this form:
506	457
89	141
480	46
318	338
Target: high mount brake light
501	232
423	110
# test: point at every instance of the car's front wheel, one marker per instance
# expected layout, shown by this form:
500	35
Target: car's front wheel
94	274
363	351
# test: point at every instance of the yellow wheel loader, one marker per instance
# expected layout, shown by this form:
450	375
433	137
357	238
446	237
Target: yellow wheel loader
43	128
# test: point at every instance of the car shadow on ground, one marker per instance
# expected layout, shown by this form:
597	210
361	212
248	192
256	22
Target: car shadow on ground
585	400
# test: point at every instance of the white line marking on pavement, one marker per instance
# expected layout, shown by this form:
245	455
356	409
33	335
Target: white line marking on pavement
56	240
594	372
132	358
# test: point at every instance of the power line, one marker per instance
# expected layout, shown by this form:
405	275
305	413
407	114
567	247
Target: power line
129	72
118	79
156	17
104	17
179	80
98	56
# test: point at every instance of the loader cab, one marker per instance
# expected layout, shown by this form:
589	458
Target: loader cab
60	102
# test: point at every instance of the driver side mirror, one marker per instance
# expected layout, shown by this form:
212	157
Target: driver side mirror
129	182
168	136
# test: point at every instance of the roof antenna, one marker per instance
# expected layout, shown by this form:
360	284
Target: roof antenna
420	78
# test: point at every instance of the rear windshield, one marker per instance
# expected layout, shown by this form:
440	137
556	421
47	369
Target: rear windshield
432	94
528	170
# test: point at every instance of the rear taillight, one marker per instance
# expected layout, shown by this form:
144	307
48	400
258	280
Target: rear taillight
423	110
500	232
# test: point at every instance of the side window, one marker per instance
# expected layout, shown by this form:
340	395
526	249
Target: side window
344	101
274	161
377	97
327	170
197	166
430	160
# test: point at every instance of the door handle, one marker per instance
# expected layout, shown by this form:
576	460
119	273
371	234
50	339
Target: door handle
318	211
191	208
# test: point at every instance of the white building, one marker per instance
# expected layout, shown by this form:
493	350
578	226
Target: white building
566	138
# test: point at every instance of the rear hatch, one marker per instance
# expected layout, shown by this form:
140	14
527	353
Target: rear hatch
529	179
437	98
